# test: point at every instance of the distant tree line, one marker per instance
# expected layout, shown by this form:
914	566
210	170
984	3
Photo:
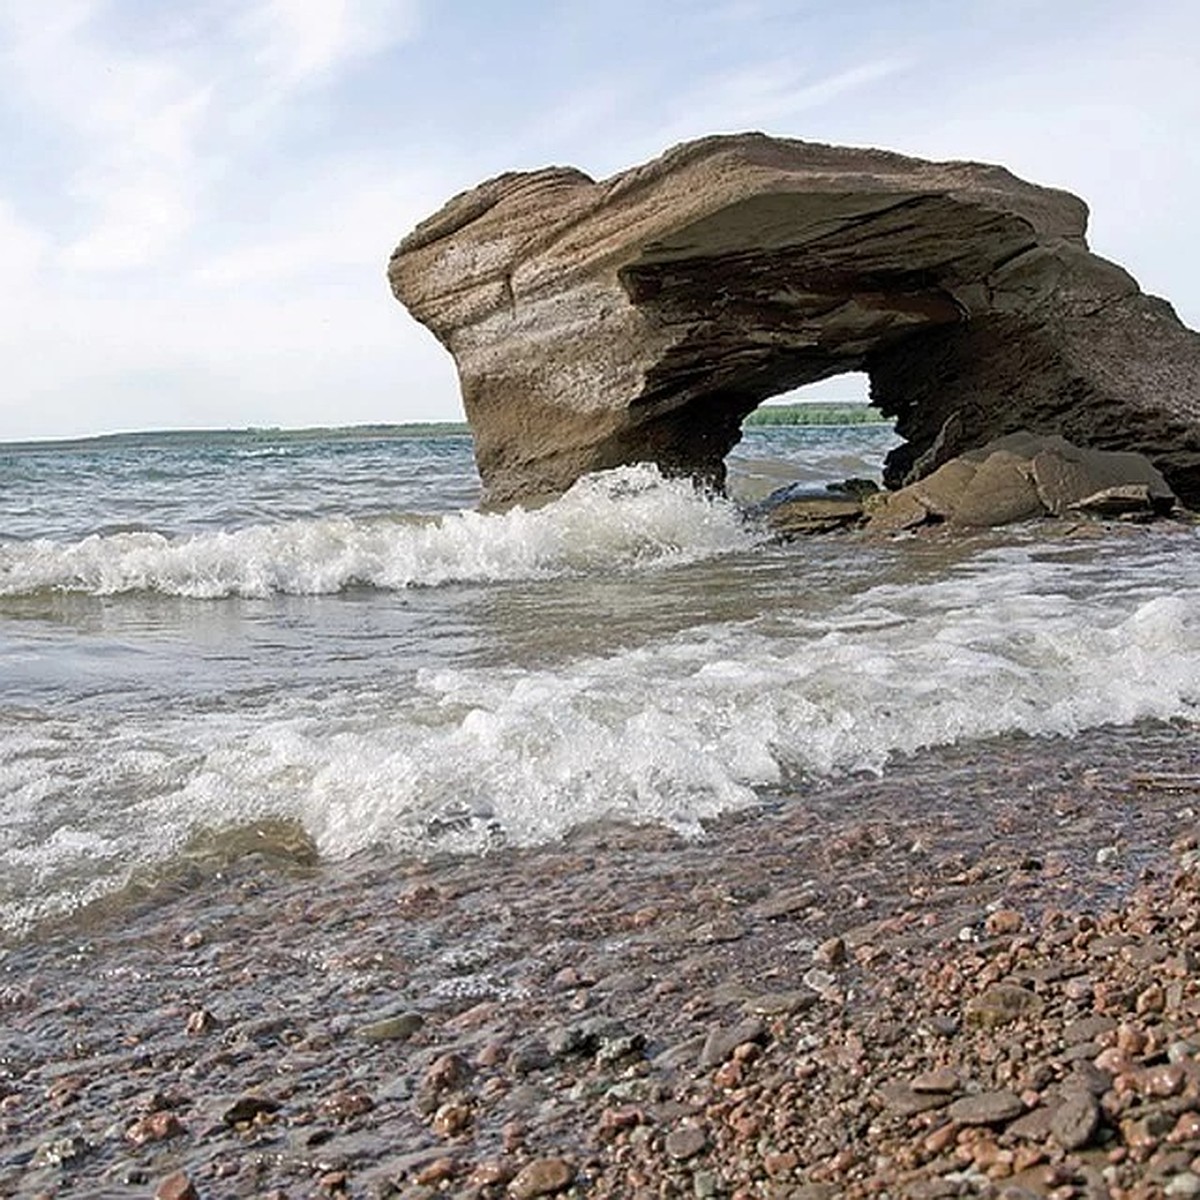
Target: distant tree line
816	414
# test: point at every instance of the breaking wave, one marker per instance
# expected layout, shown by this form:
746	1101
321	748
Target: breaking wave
629	517
461	756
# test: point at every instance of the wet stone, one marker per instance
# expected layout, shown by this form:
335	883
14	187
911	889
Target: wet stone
721	1042
1165	1079
685	1142
541	1177
986	1108
176	1186
1075	1121
1000	1005
391	1029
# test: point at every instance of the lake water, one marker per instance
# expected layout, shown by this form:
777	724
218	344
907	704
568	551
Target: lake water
207	633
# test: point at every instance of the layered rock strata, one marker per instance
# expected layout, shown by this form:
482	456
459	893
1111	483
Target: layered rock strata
1019	477
641	318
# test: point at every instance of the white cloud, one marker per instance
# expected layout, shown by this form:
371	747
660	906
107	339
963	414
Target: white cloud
771	93
133	123
347	220
22	250
300	41
152	127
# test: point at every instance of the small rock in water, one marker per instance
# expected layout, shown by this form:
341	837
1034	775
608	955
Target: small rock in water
447	1072
199	1022
157	1127
1003	921
831	953
541	1177
176	1186
63	1152
391	1029
246	1108
452	1119
344	1105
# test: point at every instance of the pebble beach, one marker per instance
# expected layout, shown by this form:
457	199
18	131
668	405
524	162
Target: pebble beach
974	975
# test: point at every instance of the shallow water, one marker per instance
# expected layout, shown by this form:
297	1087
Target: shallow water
202	632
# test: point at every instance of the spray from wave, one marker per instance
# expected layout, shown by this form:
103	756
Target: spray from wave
626	518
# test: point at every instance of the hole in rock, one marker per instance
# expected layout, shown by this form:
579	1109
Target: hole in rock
810	438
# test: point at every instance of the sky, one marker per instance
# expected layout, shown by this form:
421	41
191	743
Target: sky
199	198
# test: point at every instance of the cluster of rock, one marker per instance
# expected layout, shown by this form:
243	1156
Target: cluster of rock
641	318
1019	477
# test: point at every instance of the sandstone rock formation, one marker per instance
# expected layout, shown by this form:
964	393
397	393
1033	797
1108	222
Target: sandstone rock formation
641	318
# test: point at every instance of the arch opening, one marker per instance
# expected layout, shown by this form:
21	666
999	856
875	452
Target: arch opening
811	440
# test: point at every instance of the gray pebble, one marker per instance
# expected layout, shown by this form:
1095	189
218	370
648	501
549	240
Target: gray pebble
986	1108
1075	1121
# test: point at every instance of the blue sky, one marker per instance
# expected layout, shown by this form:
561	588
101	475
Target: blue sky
200	198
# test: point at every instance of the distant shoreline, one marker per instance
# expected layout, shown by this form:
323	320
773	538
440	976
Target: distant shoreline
770	414
817	414
767	415
252	433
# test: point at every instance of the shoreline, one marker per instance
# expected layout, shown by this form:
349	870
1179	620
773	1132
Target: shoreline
822	998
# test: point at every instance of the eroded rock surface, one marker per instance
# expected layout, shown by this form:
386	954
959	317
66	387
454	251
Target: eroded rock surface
1021	477
642	317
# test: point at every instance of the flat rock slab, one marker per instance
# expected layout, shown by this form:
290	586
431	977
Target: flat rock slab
904	1100
1023	477
986	1108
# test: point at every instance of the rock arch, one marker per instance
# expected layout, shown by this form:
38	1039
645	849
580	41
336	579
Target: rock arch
643	317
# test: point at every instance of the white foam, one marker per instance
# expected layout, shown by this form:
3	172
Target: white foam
674	730
629	517
683	729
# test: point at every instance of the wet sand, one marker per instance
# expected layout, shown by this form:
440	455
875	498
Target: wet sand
974	976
